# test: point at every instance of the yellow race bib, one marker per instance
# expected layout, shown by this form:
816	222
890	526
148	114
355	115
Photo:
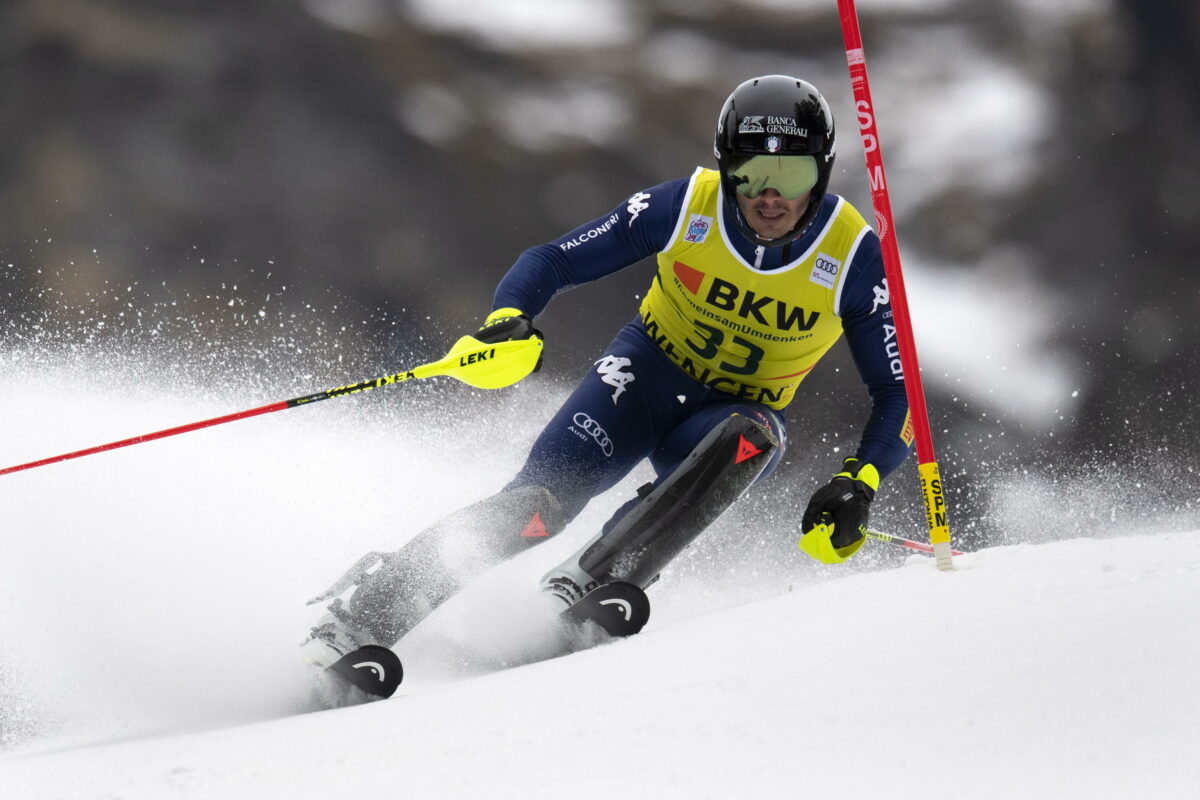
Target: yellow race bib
749	332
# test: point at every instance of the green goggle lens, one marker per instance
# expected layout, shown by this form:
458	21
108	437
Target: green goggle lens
791	176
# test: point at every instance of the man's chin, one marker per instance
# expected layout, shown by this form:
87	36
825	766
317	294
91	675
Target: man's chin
772	227
771	231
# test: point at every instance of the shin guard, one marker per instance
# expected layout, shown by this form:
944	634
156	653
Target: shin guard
635	547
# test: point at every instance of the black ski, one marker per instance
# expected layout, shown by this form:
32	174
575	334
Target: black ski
372	669
620	608
373	672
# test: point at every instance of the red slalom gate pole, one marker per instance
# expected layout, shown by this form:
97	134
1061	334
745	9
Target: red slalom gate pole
931	482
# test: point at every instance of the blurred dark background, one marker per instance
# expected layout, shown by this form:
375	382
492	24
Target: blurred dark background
372	167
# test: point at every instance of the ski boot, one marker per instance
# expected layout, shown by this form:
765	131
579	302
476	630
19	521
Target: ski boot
353	669
604	581
618	607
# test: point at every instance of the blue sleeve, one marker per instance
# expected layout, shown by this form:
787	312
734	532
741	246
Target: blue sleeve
640	226
866	311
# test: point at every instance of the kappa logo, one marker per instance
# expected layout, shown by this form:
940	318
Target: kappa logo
882	296
637	204
593	429
609	369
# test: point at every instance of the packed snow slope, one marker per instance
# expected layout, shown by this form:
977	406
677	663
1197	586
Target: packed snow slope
1059	670
151	601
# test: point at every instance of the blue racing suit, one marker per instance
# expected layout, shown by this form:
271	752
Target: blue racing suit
727	327
645	397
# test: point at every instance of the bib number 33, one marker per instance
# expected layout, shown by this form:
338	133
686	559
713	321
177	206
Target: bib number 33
711	340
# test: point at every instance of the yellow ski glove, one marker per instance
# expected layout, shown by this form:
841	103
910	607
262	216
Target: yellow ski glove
834	526
508	324
515	351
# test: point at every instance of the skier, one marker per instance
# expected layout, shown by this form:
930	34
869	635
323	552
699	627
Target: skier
759	271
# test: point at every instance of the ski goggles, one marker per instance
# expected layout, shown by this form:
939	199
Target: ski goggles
791	176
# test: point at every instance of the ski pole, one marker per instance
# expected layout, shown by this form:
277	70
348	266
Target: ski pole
931	482
475	363
900	541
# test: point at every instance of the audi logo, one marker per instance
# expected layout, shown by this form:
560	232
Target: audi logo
593	429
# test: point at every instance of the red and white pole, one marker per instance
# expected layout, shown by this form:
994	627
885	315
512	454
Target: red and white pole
931	482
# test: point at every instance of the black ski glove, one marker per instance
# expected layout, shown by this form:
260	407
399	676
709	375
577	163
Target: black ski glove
507	324
835	522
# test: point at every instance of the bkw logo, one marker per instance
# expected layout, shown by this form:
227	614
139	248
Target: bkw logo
763	309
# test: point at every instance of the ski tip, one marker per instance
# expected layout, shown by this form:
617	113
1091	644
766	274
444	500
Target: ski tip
374	669
620	608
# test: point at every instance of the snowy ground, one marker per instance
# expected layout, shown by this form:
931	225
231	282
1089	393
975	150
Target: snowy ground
151	600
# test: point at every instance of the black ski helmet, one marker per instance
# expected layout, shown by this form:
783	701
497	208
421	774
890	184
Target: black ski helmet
775	115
